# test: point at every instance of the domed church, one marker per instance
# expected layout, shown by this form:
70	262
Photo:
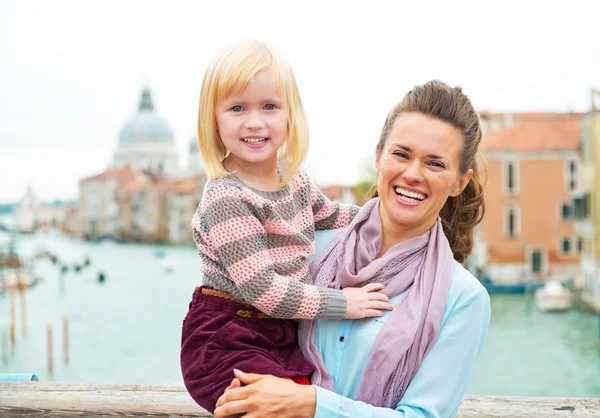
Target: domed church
146	141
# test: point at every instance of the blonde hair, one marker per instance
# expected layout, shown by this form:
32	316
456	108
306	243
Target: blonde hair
230	72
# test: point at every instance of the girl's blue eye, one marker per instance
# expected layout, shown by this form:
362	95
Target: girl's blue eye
237	108
270	106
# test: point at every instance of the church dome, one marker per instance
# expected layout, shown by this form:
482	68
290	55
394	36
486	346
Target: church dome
145	125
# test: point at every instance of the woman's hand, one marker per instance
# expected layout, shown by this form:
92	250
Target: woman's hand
266	396
366	301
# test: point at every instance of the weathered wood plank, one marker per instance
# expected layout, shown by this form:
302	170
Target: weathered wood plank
54	399
40	399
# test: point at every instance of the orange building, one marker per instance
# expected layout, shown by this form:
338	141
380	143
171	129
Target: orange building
534	166
336	193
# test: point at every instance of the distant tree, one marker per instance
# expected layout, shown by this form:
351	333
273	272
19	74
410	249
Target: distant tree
362	191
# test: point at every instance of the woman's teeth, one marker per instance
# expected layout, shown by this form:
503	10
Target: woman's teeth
409	196
254	140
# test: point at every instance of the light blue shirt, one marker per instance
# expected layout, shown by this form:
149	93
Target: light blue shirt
440	383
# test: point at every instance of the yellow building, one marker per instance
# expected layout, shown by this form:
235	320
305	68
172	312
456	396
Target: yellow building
587	204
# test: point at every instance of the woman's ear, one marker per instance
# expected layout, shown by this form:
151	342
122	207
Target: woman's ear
462	183
377	158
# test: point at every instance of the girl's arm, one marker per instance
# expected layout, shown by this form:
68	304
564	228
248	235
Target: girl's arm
328	214
230	236
436	390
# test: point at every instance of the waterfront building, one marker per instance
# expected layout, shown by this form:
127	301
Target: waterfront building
143	193
143	208
587	209
97	209
184	197
31	214
534	167
342	194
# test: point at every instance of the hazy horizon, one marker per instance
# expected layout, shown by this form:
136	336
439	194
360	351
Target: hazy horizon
75	71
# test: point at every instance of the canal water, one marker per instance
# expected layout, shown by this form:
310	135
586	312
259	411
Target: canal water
127	329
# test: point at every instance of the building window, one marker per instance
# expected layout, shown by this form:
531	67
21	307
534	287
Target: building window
566	246
579	245
581	207
566	211
511	177
537	261
512	221
572	175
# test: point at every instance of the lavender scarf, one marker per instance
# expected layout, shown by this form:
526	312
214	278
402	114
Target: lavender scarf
423	265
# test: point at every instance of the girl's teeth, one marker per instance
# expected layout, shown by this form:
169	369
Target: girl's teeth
254	140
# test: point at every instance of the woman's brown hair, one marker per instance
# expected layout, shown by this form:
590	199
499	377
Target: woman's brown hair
462	213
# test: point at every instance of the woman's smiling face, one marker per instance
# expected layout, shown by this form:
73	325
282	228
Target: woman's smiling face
419	168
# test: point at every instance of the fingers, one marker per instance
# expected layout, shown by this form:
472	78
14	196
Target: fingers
373	287
369	313
232	394
248	378
230	409
235	383
377	296
382	306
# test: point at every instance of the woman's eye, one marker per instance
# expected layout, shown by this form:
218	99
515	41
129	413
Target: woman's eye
237	108
401	154
270	106
437	164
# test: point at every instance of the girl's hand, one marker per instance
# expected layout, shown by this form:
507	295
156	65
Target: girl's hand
266	396
366	301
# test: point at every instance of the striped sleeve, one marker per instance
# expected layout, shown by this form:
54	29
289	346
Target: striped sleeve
328	214
238	240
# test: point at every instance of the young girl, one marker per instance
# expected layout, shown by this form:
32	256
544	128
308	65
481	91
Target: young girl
254	229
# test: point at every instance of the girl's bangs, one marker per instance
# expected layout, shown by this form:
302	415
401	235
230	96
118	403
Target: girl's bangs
236	76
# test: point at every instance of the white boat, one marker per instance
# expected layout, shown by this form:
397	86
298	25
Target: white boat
553	297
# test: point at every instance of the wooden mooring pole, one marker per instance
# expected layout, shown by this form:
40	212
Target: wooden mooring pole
66	338
11	292
22	290
50	356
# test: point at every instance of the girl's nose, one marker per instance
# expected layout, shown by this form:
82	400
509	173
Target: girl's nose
254	122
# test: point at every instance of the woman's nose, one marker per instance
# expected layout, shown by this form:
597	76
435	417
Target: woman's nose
414	172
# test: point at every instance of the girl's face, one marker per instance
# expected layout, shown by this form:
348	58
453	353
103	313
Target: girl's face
419	168
253	125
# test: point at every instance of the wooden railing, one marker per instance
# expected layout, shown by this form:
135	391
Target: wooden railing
41	399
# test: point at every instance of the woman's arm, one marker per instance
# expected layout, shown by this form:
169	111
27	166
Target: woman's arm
436	390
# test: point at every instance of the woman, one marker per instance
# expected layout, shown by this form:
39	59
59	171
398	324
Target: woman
414	361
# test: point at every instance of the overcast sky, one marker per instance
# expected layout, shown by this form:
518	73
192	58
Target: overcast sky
71	71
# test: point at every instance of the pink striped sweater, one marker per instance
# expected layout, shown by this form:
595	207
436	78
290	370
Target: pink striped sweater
255	245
